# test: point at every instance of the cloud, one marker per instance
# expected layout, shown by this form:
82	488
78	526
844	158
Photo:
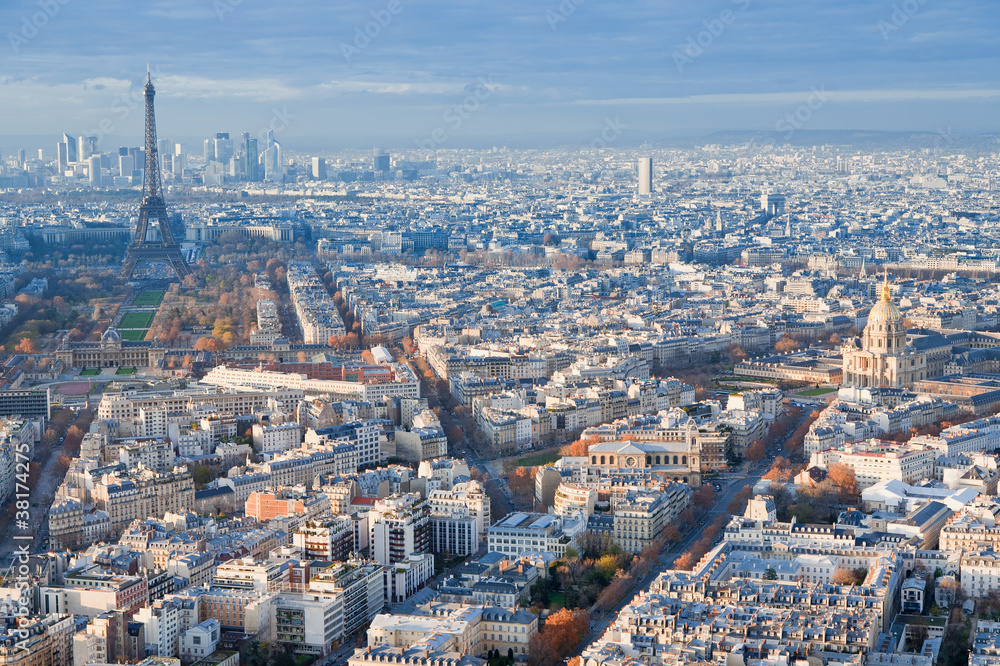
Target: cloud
229	68
795	97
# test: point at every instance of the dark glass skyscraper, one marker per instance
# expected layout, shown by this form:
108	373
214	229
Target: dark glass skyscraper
252	161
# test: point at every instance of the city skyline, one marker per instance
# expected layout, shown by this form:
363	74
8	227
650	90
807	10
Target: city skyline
499	334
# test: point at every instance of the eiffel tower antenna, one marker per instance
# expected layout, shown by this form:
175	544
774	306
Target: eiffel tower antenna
153	208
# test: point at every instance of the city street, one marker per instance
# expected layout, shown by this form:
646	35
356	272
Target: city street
732	483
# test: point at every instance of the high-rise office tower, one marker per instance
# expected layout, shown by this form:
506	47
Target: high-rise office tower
223	147
645	176
208	150
237	165
271	161
86	146
251	159
62	157
94	169
126	165
22	157
381	161
70	142
319	168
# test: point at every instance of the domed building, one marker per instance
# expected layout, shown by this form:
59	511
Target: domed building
110	352
883	358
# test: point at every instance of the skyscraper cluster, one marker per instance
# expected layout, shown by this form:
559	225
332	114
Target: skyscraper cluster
243	160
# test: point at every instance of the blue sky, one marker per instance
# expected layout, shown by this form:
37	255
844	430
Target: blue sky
445	73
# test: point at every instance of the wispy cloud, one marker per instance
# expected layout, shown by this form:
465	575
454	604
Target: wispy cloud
617	56
790	97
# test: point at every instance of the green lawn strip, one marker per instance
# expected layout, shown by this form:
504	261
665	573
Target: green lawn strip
539	459
134	335
136	320
818	391
148	299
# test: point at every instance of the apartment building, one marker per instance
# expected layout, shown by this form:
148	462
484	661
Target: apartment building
640	516
463	499
141	493
361	585
330	539
875	461
521	533
128	405
309	623
399	525
262	577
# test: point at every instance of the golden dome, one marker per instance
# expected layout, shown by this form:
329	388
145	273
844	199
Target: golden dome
885	311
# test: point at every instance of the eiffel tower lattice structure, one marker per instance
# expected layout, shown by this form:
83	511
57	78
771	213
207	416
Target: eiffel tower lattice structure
152	209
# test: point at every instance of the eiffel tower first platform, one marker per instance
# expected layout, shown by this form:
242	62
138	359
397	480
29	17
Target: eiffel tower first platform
152	209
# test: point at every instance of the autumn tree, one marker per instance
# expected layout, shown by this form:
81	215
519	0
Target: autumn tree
779	475
671	534
704	497
577	448
756	451
562	632
685	562
522	484
794	443
844	479
739	502
207	344
781	470
786	344
734	354
843	576
26	346
687	517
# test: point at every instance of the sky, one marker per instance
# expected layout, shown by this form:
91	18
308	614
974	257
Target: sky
425	74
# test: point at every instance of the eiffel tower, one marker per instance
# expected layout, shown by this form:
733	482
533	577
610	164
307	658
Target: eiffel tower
152	209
